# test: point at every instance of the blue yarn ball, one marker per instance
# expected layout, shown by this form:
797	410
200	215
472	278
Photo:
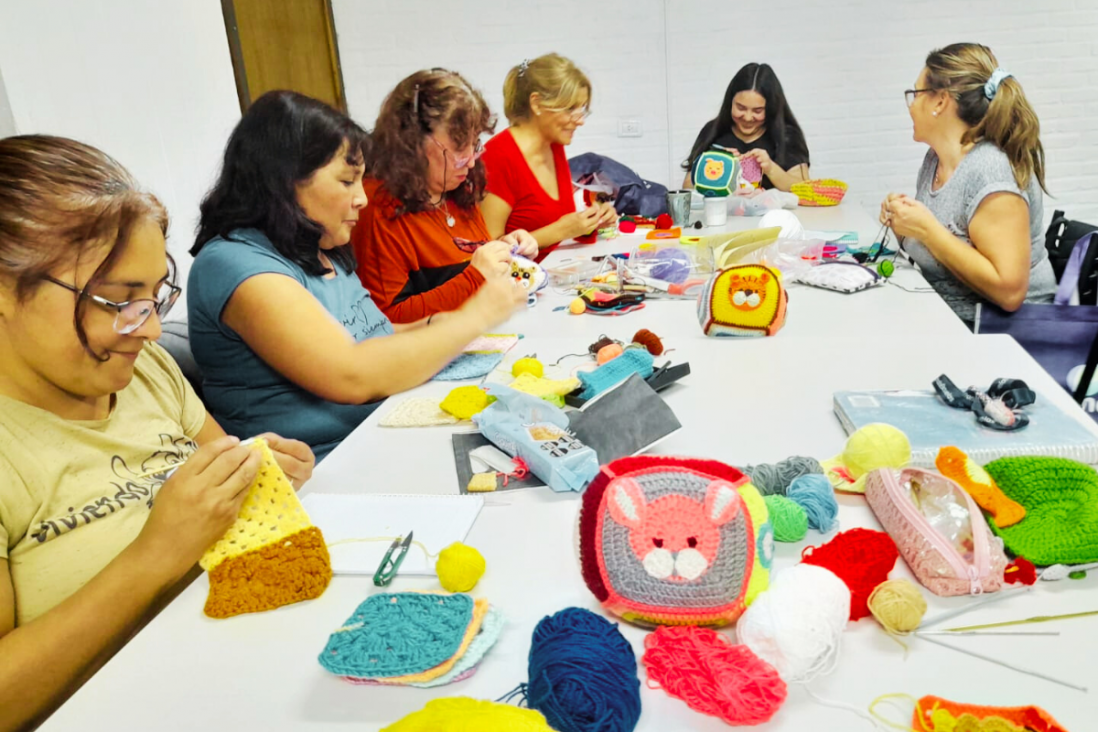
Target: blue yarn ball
813	493
583	674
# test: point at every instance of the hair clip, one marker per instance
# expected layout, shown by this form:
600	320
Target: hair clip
415	103
523	67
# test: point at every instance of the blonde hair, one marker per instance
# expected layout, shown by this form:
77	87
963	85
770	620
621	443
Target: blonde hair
556	80
1007	120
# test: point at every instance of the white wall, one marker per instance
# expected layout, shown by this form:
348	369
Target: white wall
844	66
150	83
7	122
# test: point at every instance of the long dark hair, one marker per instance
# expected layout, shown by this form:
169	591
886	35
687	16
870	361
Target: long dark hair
420	105
281	140
781	125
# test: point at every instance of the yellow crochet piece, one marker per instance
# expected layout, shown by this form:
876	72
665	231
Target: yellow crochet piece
272	555
961	469
462	714
482	483
943	721
465	401
269	513
480	609
541	387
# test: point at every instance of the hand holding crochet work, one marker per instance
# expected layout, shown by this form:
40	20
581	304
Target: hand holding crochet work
199	502
272	555
293	456
492	259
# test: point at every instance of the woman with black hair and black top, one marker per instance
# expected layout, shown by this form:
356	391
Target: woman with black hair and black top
755	121
280	325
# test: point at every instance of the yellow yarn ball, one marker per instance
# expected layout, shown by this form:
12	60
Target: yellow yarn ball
898	605
462	714
528	365
577	306
459	567
874	446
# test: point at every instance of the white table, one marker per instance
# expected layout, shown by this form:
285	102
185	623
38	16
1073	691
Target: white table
904	305
746	401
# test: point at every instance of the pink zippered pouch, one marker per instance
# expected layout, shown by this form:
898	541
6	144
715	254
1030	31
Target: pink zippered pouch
938	529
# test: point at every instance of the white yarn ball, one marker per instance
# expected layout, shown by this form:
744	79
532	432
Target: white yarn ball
791	226
797	624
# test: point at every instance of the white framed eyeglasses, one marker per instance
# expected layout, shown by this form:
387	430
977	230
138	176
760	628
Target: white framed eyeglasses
462	162
132	314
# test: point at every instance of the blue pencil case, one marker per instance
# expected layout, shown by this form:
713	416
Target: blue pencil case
527	427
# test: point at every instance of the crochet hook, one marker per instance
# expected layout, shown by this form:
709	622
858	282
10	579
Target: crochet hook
1035	619
987	632
170	471
1004	664
1002	595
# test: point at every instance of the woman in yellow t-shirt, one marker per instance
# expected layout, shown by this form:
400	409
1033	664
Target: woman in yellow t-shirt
93	415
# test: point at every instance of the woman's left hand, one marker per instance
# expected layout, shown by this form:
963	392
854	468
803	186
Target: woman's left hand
608	215
293	456
910	217
765	163
522	243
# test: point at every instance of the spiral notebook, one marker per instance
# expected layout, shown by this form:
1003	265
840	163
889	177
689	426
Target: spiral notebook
360	528
929	424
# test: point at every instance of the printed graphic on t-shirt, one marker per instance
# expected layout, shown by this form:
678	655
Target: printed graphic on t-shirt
131	486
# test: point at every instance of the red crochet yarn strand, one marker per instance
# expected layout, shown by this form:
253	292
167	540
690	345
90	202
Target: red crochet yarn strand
704	669
862	558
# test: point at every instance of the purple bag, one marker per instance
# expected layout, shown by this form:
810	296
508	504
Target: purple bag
1062	338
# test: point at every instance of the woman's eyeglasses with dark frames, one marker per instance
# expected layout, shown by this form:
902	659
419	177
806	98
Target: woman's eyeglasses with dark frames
131	314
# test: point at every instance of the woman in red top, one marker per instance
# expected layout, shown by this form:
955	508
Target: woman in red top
529	183
421	243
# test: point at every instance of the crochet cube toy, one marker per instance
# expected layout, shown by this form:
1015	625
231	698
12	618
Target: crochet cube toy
674	541
272	555
716	173
743	300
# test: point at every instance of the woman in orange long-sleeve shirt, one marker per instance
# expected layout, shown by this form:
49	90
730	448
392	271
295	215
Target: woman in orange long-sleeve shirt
421	243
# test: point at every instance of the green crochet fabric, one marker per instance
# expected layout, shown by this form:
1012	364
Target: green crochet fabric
1061	501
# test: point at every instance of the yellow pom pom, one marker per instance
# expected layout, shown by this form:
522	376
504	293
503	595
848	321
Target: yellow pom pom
528	365
459	567
577	307
876	446
898	605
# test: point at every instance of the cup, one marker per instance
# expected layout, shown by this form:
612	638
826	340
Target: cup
716	211
678	205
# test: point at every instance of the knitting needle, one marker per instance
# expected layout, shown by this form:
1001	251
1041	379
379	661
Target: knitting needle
986	632
971	606
1004	664
1035	619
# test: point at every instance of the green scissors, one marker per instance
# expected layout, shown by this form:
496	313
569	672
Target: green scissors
389	565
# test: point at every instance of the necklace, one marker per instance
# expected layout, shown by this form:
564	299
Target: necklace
440	206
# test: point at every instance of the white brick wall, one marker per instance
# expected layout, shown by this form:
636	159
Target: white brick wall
844	65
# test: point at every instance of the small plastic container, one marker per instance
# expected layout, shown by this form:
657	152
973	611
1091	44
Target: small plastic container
572	272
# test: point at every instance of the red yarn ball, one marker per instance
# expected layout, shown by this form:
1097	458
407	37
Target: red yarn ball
627	227
703	668
664	221
649	340
862	558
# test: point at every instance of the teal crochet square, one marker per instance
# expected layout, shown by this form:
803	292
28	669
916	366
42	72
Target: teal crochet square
469	366
395	634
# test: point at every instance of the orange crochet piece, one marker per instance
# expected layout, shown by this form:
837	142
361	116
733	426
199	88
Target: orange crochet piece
960	468
293	569
931	710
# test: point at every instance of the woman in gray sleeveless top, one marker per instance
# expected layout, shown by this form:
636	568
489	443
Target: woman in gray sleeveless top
974	225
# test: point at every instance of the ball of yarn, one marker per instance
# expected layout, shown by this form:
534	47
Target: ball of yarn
577	306
791	227
462	714
627	226
776	478
788	519
528	365
649	340
876	445
664	221
704	669
898	605
813	493
583	674
796	625
609	353
459	567
862	558
672	265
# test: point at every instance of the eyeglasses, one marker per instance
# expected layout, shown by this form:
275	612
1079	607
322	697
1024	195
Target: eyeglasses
575	115
910	94
132	314
462	162
467	246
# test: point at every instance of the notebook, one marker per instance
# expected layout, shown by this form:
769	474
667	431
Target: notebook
437	520
929	424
